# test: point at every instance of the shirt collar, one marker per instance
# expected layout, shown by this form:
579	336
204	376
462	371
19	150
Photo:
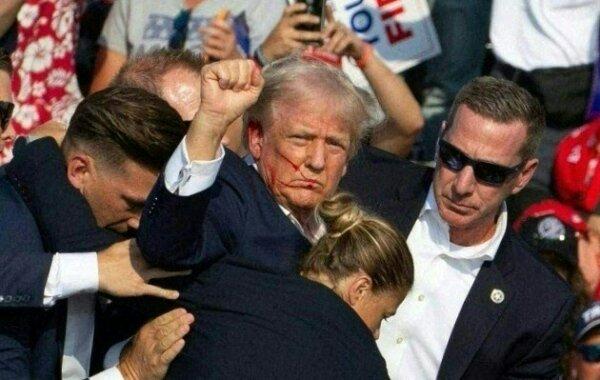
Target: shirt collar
486	250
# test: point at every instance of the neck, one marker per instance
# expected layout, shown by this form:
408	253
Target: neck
478	234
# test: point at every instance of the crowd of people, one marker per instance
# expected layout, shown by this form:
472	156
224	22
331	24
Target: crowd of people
197	189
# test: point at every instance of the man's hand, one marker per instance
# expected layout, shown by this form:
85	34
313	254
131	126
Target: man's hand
155	346
123	272
588	259
286	37
218	41
229	88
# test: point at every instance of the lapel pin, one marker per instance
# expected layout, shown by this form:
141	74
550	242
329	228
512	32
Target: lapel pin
497	296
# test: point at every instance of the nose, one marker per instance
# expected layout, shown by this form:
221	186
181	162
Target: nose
316	155
464	182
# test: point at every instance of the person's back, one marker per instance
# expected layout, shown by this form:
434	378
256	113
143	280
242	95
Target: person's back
255	324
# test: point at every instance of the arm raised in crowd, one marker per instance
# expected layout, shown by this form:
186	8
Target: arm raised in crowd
228	89
178	215
404	120
287	37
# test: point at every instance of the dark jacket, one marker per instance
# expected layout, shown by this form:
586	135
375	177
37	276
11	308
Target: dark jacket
41	213
518	338
255	316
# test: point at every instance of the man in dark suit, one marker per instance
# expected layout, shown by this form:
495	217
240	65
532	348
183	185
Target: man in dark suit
114	147
482	305
243	227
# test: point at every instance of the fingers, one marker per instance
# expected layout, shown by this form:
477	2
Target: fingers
220	26
173	331
172	352
333	40
235	74
341	45
169	317
156	291
304	18
257	79
329	14
294	9
305	35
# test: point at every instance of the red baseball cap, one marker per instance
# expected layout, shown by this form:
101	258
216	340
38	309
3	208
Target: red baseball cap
577	167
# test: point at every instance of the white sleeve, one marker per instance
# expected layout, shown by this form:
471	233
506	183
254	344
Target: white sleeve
186	178
71	273
112	373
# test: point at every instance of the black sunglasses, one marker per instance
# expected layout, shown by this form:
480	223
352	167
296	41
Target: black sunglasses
589	352
180	29
6	110
486	172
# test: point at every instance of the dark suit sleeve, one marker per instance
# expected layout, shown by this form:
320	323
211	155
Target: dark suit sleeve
15	350
543	361
181	232
24	265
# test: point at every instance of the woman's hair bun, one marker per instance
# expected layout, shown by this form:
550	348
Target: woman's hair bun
340	213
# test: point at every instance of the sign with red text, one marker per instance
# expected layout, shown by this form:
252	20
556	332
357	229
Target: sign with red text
401	31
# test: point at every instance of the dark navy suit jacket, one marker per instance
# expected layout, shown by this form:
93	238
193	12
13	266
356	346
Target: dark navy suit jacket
256	317
518	338
41	214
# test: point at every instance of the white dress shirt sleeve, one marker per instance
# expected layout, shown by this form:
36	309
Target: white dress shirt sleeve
71	273
186	178
108	374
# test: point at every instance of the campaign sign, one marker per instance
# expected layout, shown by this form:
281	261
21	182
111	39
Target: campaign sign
401	31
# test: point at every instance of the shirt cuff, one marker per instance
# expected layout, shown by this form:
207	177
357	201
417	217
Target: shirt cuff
186	178
108	374
71	273
113	355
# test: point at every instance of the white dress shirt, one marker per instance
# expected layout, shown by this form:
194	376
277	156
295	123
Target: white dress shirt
75	276
185	177
413	341
538	34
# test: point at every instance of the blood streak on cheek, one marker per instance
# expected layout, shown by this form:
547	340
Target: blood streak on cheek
311	182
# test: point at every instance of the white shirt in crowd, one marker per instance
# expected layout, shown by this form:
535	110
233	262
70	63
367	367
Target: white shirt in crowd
413	341
537	34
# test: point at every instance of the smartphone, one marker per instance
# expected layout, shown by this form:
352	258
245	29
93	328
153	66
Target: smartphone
317	8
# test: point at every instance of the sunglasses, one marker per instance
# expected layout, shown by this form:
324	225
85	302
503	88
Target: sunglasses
6	110
589	353
485	172
180	29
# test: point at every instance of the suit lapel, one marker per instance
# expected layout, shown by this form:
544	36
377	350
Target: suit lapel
485	303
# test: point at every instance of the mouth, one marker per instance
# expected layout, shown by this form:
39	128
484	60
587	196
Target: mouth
457	207
307	184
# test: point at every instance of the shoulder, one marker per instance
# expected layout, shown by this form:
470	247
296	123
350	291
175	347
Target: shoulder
534	279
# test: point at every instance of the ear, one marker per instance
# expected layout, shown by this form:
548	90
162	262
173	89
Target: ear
358	288
255	137
80	170
525	175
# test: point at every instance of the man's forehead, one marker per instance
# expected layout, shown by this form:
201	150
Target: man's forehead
304	118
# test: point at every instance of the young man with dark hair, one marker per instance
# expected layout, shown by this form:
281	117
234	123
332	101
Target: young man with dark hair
118	141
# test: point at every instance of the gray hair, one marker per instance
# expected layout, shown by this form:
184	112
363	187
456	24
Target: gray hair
503	102
292	79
